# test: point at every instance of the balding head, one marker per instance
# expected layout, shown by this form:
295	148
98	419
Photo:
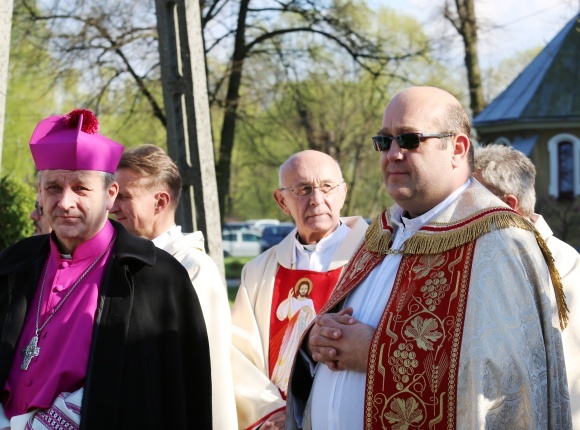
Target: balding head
441	107
318	214
420	178
304	160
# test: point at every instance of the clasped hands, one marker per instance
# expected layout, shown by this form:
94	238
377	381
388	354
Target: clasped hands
340	341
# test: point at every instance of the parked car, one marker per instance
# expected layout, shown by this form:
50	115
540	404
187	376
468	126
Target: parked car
259	224
273	234
238	225
240	243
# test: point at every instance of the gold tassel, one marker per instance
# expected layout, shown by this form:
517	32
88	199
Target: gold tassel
426	242
377	239
563	310
432	243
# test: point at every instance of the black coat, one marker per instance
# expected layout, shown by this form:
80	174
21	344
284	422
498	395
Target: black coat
149	364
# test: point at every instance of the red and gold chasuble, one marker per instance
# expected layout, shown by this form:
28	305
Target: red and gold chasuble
297	298
414	354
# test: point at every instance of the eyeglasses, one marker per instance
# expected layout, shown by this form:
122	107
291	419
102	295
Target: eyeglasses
38	208
405	140
306	190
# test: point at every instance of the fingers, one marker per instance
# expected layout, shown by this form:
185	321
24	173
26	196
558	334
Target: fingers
328	333
269	425
326	330
349	351
335	320
346	311
275	422
320	343
324	354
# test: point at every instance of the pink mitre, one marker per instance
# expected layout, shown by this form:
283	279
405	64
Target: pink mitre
71	142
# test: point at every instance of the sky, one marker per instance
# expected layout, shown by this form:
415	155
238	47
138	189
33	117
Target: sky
505	26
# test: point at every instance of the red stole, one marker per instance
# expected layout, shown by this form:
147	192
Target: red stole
291	313
414	354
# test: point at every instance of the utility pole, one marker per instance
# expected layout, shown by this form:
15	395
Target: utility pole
189	139
6	7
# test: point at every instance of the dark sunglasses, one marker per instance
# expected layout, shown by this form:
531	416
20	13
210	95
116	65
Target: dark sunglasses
405	140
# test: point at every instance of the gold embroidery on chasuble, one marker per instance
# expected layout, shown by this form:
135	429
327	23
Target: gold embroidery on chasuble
414	355
360	265
438	237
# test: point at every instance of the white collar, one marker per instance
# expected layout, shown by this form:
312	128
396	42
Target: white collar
325	242
164	238
318	256
416	223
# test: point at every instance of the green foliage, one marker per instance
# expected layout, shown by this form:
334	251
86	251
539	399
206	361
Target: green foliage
16	201
234	266
37	89
31	96
125	116
232	292
290	83
327	104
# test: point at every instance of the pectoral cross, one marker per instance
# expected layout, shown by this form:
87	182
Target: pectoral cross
31	351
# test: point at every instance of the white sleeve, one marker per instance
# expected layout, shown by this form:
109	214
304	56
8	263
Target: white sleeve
66	408
4	422
257	398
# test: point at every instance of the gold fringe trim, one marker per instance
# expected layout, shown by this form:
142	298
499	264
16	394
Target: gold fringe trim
431	243
563	310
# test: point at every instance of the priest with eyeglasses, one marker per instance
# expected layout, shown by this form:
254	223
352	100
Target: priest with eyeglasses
283	288
99	329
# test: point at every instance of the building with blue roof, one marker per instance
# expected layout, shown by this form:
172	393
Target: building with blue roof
539	114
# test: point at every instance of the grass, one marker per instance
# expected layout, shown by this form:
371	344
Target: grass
234	265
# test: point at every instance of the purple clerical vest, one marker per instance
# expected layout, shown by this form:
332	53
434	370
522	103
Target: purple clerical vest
64	343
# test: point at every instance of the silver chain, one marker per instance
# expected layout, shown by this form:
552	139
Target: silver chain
78	281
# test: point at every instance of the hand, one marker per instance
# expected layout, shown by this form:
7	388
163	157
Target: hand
328	326
276	422
340	341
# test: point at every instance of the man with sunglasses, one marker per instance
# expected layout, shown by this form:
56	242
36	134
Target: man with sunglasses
448	315
269	315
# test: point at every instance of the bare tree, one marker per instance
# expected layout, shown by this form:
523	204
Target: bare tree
318	20
463	19
106	44
114	42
